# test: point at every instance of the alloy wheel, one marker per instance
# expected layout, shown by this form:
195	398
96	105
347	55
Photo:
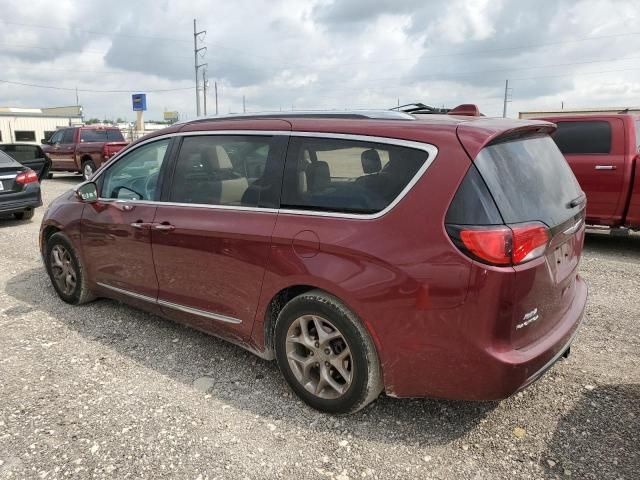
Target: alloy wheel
319	356
64	273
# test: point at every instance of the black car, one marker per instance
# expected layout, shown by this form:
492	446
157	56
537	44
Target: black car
22	166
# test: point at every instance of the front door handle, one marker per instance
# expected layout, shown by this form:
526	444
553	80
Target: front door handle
605	167
164	227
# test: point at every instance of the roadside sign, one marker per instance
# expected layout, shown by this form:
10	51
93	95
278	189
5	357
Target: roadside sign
139	101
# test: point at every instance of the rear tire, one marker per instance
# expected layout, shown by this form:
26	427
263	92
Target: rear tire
66	272
335	371
88	168
26	215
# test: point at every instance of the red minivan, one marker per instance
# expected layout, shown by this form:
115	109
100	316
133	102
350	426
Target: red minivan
364	251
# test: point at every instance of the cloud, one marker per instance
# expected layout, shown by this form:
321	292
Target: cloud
322	53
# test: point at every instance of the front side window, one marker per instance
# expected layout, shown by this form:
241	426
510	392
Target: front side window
227	170
135	175
56	137
593	136
25	136
347	176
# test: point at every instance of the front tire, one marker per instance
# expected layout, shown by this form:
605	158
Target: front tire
326	355
66	271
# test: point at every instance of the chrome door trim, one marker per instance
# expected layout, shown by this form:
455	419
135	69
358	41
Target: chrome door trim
122	291
432	151
605	167
175	306
574	228
197	311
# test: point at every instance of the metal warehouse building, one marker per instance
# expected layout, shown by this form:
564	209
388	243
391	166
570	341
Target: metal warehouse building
31	125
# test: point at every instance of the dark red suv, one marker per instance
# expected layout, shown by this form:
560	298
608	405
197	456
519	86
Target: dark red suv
363	251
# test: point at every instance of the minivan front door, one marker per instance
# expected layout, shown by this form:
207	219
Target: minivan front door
211	240
116	230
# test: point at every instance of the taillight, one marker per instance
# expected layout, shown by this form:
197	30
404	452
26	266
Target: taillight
27	177
501	245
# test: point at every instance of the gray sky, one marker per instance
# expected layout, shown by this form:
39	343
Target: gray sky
322	54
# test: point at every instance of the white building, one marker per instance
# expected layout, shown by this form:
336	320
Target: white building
31	125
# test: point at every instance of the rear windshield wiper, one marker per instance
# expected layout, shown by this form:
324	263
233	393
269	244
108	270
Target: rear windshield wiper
576	202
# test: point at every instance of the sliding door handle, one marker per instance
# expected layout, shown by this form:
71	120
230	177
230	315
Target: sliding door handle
605	167
141	225
164	227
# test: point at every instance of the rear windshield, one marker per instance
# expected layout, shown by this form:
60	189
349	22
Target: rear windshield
91	135
530	180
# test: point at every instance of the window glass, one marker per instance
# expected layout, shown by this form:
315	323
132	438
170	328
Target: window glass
227	170
347	176
67	136
22	153
637	136
530	180
25	136
135	175
93	135
48	134
56	137
583	137
114	135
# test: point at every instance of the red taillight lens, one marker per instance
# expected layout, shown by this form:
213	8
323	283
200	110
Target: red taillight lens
492	245
501	245
529	242
27	177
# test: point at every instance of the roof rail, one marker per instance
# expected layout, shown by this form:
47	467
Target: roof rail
346	114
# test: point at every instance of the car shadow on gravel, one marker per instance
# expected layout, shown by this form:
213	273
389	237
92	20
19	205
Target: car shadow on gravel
237	377
600	437
622	247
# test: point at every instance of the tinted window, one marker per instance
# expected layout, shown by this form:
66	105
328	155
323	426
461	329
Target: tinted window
6	159
347	176
583	137
25	136
637	135
22	153
135	175
227	170
56	137
67	135
114	136
473	204
91	135
48	134
529	180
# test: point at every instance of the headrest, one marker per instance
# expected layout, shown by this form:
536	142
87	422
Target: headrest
371	162
318	176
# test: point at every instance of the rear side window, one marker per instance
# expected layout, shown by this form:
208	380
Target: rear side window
583	137
91	135
529	180
347	176
114	136
228	170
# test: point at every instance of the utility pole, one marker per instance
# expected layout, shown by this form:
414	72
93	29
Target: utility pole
507	98
215	87
205	87
244	105
196	51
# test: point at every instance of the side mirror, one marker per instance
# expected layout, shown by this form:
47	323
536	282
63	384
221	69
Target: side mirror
87	192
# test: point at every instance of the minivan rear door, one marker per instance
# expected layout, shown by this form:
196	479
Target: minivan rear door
531	182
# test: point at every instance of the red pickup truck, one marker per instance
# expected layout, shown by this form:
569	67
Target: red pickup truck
82	149
604	153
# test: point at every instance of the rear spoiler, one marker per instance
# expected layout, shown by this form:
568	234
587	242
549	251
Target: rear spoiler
476	135
466	109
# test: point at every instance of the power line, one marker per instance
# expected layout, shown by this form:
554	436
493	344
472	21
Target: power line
86	90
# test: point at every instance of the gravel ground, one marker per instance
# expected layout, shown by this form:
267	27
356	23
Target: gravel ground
106	391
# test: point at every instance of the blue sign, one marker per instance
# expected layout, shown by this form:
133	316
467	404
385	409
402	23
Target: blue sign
139	101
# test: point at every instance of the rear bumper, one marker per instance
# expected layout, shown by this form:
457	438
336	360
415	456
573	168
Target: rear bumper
29	198
470	366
